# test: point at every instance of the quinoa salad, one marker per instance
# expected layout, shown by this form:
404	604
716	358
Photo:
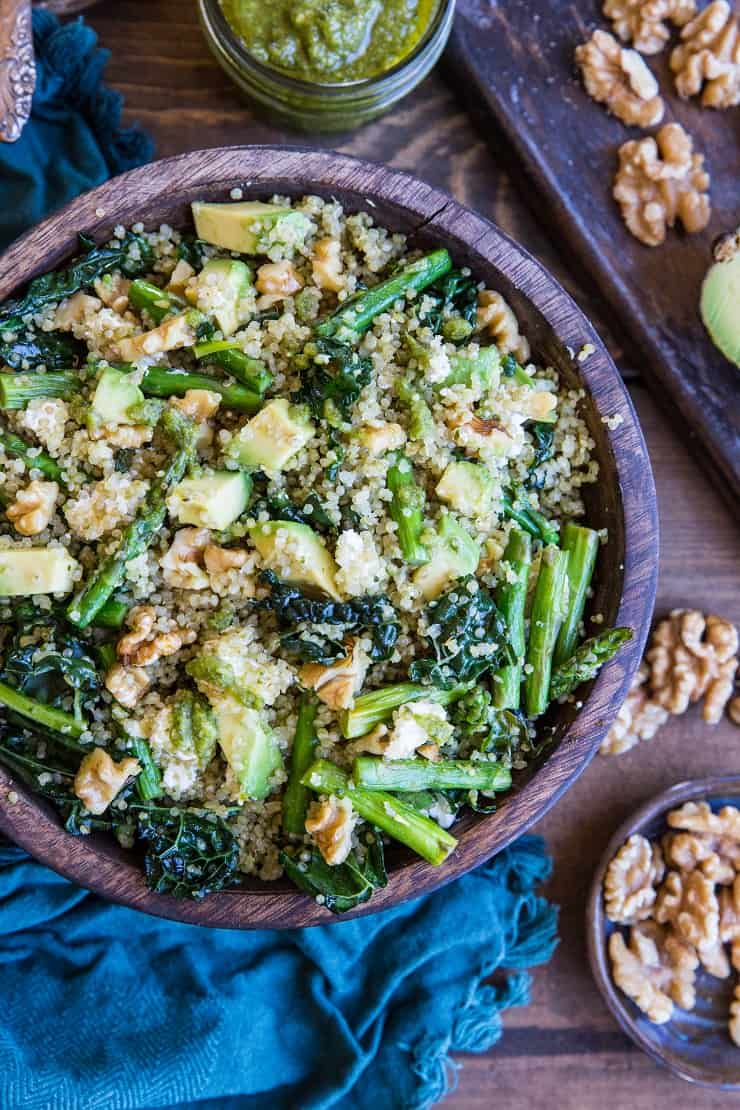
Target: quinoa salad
292	549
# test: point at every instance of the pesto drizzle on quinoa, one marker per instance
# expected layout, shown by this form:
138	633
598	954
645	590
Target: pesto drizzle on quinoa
310	523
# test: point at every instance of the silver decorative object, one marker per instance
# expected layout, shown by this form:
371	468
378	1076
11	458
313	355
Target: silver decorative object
17	68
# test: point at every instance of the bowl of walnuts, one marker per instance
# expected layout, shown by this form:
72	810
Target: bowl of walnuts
663	926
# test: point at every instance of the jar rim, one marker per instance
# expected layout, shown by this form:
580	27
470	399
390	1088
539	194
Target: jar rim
245	60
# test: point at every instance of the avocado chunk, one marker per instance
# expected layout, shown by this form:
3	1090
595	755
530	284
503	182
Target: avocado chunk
467	487
296	554
271	438
223	290
234	664
249	227
482	370
172	334
452	554
249	746
36	570
115	401
720	298
215	500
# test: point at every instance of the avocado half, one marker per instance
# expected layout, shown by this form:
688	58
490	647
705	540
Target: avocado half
720	297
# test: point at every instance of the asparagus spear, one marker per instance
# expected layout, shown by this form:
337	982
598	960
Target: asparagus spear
586	661
511	598
377	705
169	383
394	817
548	609
45	715
373	773
295	798
14	445
113	614
138	535
249	371
149	780
407	509
157	302
16	390
582	545
518	509
357	313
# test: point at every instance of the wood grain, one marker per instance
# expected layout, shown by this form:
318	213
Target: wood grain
623	502
518	64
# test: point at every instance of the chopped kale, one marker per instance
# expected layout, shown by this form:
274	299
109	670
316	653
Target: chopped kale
28	348
373	614
340	888
194	251
467	635
332	376
132	257
188	853
455	294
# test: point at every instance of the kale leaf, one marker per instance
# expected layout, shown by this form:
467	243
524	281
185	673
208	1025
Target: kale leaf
29	348
345	886
46	661
132	257
543	434
454	294
192	250
280	507
331	386
467	635
188	853
372	613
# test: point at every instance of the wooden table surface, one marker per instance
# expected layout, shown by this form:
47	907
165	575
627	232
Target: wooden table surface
564	1049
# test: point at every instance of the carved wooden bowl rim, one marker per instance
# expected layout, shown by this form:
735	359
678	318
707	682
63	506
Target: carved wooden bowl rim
558	328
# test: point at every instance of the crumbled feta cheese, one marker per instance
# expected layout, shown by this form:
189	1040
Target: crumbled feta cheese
361	570
414	724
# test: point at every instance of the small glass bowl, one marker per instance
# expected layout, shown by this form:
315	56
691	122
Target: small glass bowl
309	106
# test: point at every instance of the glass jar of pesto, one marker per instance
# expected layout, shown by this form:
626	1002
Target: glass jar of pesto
326	65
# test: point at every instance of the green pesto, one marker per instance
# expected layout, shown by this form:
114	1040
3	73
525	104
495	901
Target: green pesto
330	41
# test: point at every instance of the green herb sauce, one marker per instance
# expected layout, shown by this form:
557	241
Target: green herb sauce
330	41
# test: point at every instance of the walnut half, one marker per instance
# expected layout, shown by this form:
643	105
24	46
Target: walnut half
631	879
707	60
655	970
643	22
620	79
99	779
330	822
661	180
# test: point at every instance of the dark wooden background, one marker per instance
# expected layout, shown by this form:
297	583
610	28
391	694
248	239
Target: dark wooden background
564	1049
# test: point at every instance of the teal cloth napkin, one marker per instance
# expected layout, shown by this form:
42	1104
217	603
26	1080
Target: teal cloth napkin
108	1008
105	1008
74	139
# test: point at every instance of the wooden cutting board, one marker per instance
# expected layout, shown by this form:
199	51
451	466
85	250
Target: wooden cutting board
513	59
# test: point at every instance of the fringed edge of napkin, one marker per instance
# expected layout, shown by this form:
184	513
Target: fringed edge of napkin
478	1024
71	54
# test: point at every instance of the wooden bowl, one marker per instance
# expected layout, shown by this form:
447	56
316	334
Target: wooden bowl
623	501
694	1044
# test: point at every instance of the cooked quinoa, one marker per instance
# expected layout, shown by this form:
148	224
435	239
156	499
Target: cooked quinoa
203	589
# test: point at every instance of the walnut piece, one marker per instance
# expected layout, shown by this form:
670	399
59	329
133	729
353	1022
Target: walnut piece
381	437
643	22
631	879
733	1025
99	779
655	970
33	507
337	684
198	404
661	180
497	317
620	79
639	717
688	851
140	647
689	903
217	559
112	289
126	684
181	563
327	265
276	281
707	59
331	821
693	657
